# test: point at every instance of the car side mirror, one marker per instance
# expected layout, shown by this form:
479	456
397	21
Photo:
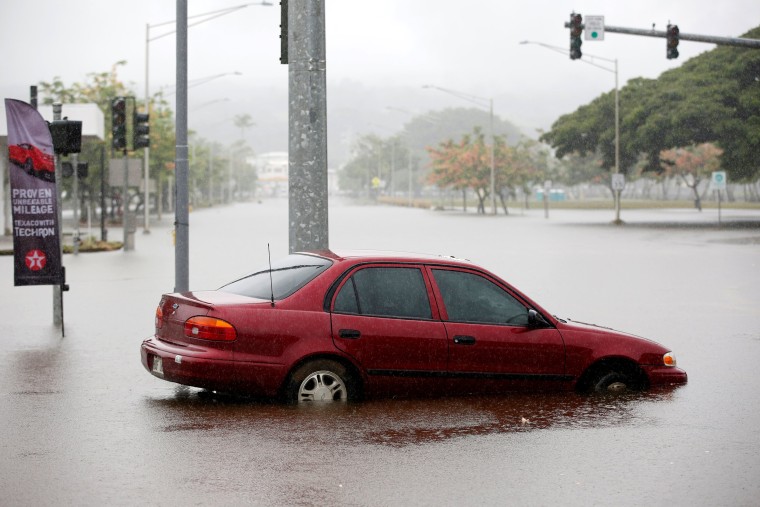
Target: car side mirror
536	320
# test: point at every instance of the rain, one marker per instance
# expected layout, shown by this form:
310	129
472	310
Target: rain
83	422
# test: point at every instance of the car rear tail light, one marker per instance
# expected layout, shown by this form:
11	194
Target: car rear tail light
209	328
159	318
669	359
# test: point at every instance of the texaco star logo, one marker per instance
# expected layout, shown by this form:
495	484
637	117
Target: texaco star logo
35	260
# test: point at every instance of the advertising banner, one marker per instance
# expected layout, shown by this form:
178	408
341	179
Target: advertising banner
34	197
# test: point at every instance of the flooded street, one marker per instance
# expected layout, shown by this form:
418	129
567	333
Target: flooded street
84	424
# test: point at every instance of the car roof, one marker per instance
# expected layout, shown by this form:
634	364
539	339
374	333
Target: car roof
388	256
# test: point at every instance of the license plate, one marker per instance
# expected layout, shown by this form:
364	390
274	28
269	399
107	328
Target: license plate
158	365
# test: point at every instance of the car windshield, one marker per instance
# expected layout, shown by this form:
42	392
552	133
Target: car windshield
288	275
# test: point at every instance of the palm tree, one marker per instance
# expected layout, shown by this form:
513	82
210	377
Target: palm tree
243	122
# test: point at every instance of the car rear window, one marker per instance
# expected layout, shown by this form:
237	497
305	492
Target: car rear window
288	275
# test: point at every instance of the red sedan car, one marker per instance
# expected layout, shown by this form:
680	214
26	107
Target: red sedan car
336	326
33	160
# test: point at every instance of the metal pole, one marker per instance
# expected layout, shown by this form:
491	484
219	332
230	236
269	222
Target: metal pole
493	162
182	225
393	168
146	150
228	196
307	125
75	198
125	203
410	176
103	231
695	37
58	289
617	142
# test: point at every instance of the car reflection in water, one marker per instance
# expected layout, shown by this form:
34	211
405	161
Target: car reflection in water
400	423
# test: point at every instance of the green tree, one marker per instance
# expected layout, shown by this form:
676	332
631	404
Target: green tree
714	97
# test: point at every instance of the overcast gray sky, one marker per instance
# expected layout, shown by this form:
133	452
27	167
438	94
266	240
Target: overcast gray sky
471	46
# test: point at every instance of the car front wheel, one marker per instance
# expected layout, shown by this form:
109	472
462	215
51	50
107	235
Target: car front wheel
612	382
321	381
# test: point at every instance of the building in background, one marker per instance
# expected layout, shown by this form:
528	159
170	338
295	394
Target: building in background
272	175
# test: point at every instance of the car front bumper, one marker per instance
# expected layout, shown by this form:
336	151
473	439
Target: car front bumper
665	375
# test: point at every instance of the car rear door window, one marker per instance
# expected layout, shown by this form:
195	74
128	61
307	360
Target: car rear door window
470	297
385	292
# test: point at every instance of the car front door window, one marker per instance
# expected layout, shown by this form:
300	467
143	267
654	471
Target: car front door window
469	297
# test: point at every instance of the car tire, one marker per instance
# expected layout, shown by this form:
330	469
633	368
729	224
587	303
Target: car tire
612	382
321	381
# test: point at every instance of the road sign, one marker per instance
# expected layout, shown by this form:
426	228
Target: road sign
618	181
719	180
116	172
594	28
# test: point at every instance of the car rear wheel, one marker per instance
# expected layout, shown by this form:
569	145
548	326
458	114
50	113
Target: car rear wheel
612	382
321	381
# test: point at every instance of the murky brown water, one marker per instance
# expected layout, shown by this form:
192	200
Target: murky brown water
84	424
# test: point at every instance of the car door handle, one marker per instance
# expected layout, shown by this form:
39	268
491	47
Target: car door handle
349	333
464	340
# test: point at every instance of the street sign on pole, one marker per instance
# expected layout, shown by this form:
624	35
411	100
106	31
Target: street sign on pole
618	182
594	28
719	180
116	172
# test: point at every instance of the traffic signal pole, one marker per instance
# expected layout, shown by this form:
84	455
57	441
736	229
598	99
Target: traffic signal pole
711	39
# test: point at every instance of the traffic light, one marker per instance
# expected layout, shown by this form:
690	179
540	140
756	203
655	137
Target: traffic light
67	169
576	29
119	122
83	169
141	130
672	36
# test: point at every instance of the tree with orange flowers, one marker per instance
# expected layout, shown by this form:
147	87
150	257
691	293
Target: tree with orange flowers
692	164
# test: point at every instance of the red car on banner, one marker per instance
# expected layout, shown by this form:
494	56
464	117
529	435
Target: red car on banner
327	326
33	160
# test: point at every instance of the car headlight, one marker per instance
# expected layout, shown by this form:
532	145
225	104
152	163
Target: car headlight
669	359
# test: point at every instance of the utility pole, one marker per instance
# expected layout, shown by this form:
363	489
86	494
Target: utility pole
307	125
182	213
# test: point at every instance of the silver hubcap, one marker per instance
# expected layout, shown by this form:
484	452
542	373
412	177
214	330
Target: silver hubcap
324	386
617	387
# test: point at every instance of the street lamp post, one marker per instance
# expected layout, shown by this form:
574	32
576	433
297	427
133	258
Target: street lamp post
617	110
181	269
479	101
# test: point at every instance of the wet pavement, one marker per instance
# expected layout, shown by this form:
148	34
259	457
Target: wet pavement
84	424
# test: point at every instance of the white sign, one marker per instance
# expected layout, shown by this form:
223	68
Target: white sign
719	180
594	28
618	181
116	172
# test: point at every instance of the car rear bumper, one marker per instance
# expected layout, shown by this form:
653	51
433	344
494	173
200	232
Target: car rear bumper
665	375
189	366
211	369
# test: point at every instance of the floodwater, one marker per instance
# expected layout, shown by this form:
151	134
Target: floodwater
84	424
